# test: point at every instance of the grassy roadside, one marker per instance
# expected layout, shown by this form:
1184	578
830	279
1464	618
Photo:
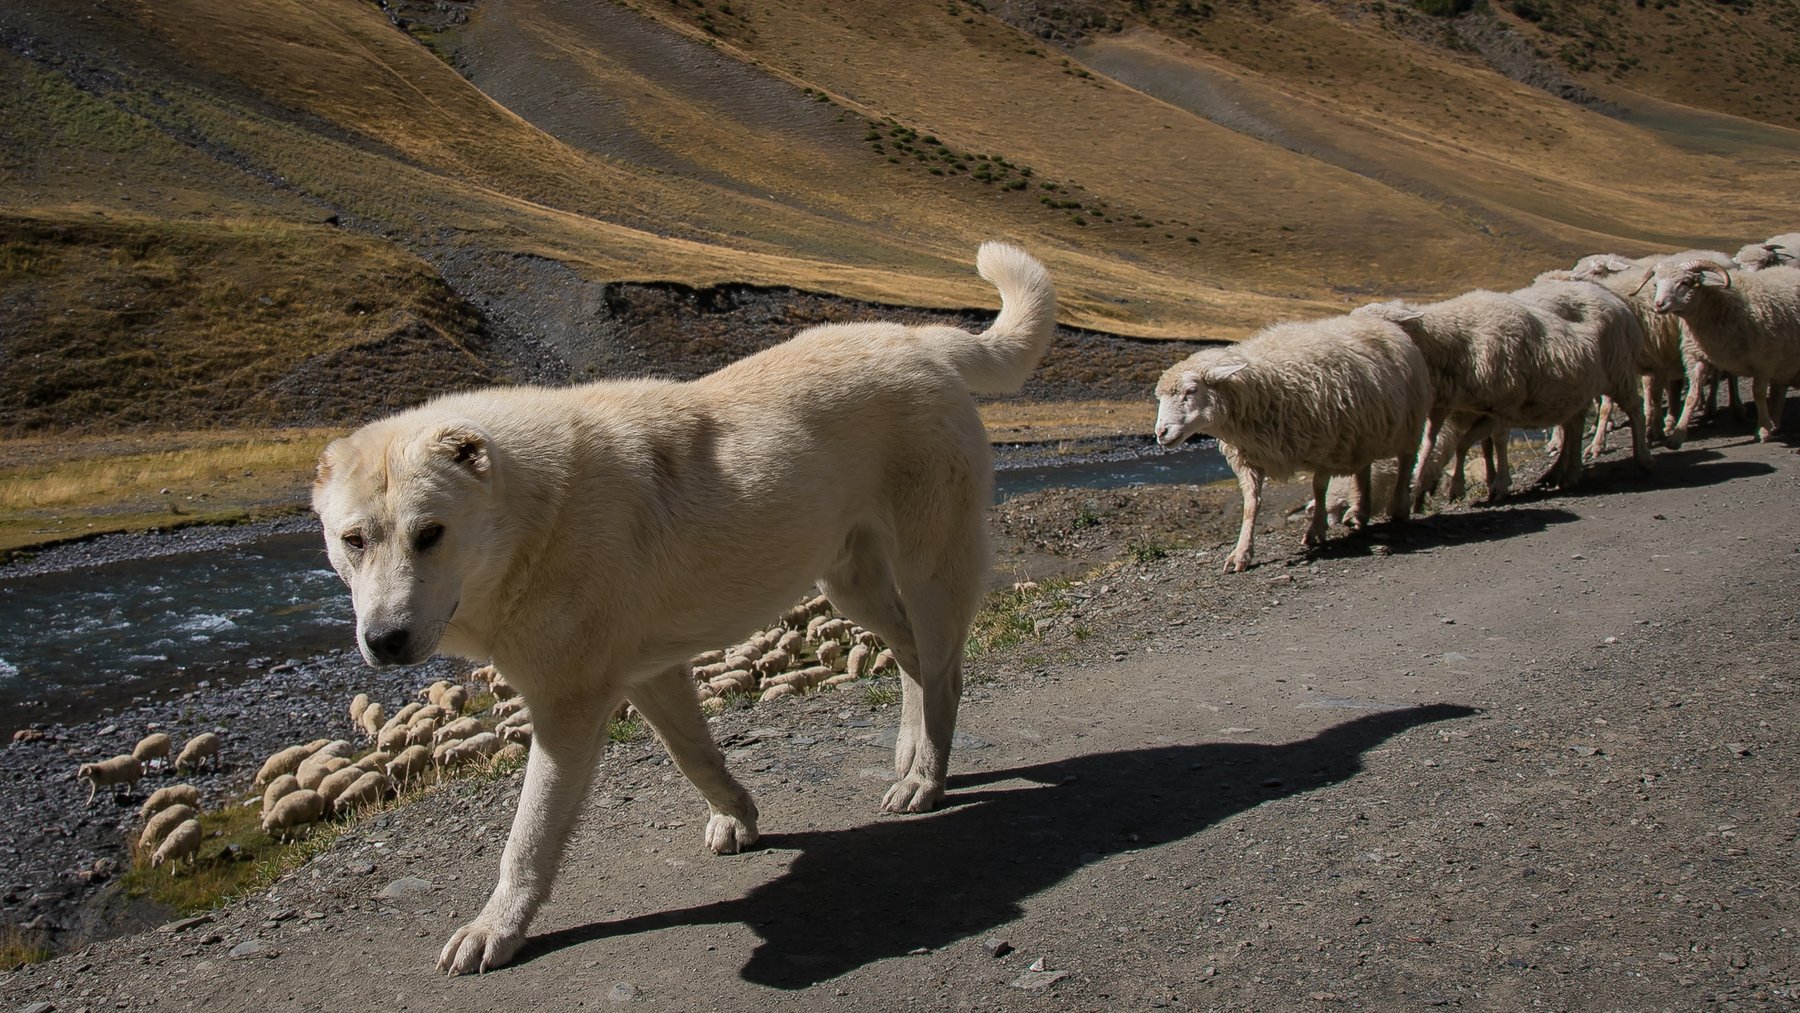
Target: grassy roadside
55	489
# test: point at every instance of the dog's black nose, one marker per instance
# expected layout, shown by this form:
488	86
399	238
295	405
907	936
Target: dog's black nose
390	647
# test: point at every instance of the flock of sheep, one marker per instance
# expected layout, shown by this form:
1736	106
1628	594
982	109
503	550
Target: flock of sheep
1424	383
434	735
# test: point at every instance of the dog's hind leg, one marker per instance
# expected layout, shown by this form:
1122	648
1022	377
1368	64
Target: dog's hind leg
564	748
667	700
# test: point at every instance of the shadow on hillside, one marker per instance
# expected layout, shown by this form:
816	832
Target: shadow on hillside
887	888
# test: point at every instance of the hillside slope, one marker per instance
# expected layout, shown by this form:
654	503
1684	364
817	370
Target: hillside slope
1183	174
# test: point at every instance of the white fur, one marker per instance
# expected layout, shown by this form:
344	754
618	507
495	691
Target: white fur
1743	322
589	541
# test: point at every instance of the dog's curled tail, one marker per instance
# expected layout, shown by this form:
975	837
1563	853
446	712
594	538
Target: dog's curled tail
998	360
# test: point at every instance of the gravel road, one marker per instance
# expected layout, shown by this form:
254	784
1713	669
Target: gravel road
1538	755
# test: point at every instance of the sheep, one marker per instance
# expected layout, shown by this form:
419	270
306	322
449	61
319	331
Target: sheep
1662	362
124	769
830	629
502	689
315	768
335	782
461	728
283	761
1596	331
778	691
454	700
830	653
392	739
186	794
159	825
1328	395
410	765
367	790
434	692
485	674
790	641
373	718
458	752
281	786
154	746
202	748
293	811
1748	323
856	660
518	717
520	734
773	662
884	660
738	680
707	658
358	704
1775	251
376	760
505	708
183	842
509	754
403	716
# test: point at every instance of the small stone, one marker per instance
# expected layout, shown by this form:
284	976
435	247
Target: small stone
1456	658
405	887
1038	965
359	867
1738	748
252	948
38	1007
996	947
918	951
182	925
623	991
1038	979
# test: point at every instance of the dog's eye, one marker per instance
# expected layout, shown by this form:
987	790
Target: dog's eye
354	541
428	536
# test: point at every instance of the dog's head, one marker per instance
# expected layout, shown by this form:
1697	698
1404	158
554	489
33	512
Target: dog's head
406	511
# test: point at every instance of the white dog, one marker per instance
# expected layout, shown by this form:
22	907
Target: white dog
589	540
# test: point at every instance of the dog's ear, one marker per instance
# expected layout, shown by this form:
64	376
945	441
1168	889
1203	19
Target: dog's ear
322	468
465	445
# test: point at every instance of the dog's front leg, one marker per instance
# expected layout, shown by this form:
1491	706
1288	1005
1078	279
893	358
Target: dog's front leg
564	748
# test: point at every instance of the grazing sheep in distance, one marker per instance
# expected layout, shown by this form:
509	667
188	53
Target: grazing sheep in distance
317	767
367	790
503	709
164	821
154	746
454	700
281	786
202	748
412	764
169	795
461	728
183	842
1329	396
373	717
512	752
293	811
124	769
335	782
358	704
1747	323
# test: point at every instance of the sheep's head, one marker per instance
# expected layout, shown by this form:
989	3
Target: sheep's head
1597	266
1758	256
1186	396
1678	280
1394	311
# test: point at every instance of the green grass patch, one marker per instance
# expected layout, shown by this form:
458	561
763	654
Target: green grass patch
221	874
883	693
1009	617
18	948
625	729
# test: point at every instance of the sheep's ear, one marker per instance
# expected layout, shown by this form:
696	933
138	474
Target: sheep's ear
464	445
1222	372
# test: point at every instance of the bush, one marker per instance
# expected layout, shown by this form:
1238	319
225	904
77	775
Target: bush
1444	8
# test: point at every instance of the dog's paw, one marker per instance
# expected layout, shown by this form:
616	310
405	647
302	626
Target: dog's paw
728	835
912	795
478	947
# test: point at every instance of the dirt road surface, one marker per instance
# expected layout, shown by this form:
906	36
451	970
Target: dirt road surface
1535	756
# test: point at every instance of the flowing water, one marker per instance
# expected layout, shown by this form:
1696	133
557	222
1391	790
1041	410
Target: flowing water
77	641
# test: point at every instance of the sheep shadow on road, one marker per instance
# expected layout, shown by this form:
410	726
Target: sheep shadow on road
1688	468
886	888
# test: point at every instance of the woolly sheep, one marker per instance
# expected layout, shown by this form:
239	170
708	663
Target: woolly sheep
1747	323
1329	396
505	708
1775	251
702	673
518	717
1661	362
186	794
393	738
202	748
412	764
283	761
365	791
159	825
832	629
517	734
830	653
373	717
484	674
779	691
707	658
314	769
461	728
458	752
502	689
856	660
376	760
454	700
434	692
293	811
773	662
154	746
790	641
124	769
335	782
512	752
358	704
1596	332
183	842
403	716
884	660
281	786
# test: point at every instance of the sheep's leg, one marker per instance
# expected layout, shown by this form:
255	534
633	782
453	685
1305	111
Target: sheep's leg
1697	372
1566	472
667	701
1424	480
93	789
1399	507
1365	494
557	774
1604	420
1315	532
1459	483
1250	482
1731	394
1759	393
1653	411
1597	446
1777	403
1500	472
1640	440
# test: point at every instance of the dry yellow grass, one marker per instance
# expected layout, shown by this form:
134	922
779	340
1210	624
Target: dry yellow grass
1055	421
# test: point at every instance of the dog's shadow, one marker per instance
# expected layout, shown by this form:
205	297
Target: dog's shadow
892	886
